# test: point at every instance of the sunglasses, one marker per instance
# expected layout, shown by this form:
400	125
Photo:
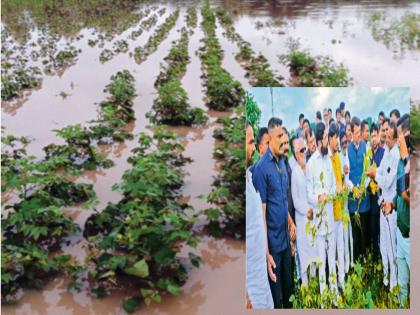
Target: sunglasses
303	150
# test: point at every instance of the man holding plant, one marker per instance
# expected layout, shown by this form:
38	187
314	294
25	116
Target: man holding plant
320	186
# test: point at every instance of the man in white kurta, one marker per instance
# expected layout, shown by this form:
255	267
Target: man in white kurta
348	238
305	248
386	177
257	287
318	190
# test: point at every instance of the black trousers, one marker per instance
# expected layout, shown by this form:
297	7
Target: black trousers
282	289
360	234
374	233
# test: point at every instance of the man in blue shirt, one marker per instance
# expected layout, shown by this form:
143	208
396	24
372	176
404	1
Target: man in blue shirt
271	181
377	155
356	152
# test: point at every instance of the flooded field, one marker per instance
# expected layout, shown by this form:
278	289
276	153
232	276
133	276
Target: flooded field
77	48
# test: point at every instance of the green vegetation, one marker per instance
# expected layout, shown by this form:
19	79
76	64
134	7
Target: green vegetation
228	194
171	106
106	55
18	76
257	66
34	225
363	289
253	112
307	70
141	53
415	124
223	92
403	32
191	18
141	236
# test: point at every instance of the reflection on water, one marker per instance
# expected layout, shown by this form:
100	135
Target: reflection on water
336	28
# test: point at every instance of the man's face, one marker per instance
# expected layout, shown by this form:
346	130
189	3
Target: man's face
365	133
347	118
338	116
311	143
300	122
326	117
284	147
380	120
300	152
349	134
275	140
393	118
334	143
262	147
324	144
250	145
343	144
305	126
384	132
356	134
390	138
374	139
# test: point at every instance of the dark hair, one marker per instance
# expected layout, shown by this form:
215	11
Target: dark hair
348	124
274	122
404	122
319	132
285	130
308	133
381	113
374	127
347	113
395	112
355	121
342	135
393	125
331	121
261	133
318	115
306	120
301	116
332	131
329	110
386	120
364	123
337	111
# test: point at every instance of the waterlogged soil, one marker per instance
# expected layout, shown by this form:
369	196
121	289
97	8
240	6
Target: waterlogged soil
72	96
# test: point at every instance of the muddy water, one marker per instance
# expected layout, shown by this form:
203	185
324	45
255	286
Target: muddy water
218	285
337	29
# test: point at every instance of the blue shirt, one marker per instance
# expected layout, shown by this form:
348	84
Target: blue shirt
270	179
356	156
377	158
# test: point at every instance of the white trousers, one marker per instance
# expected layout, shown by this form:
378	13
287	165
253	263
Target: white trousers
326	248
388	246
348	247
339	237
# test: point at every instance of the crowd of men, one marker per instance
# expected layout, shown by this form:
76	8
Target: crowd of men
292	183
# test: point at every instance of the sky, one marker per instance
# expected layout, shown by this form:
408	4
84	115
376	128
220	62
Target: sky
363	102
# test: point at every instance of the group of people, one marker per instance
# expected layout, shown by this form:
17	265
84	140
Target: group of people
346	180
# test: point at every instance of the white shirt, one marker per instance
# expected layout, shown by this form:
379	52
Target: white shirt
386	173
314	187
304	245
344	160
257	285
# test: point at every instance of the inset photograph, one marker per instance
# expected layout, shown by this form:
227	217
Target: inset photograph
328	198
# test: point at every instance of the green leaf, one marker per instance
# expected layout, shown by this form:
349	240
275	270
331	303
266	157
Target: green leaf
139	269
131	304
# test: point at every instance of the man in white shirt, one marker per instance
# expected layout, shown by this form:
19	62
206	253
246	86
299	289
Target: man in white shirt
348	237
386	177
257	287
321	184
304	212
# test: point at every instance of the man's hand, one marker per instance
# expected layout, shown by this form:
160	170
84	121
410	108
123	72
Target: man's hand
270	265
292	231
338	189
346	169
292	248
387	208
371	172
310	214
